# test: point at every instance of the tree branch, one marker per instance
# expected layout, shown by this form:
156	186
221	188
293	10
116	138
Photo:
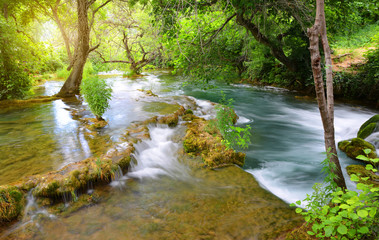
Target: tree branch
218	30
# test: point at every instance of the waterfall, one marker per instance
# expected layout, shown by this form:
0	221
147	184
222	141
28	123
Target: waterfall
157	156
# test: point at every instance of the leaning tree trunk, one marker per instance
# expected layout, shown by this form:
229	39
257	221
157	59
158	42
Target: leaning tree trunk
326	104
72	84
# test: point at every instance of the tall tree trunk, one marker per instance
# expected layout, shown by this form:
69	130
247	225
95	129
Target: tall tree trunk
326	104
72	84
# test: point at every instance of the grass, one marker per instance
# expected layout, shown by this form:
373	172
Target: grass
366	37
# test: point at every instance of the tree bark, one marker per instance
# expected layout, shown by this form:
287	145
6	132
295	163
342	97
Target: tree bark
326	104
72	84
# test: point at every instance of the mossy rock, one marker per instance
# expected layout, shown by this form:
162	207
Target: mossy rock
373	119
198	141
355	147
368	130
343	144
12	202
362	172
172	119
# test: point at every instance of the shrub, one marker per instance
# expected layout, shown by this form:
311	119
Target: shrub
14	83
97	94
233	136
337	214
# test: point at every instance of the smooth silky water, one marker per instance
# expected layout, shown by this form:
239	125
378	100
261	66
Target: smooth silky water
166	195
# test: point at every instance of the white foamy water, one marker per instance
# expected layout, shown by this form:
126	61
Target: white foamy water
157	156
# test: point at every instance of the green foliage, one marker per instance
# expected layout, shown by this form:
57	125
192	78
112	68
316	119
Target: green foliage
97	94
14	82
63	73
337	214
233	136
363	36
366	158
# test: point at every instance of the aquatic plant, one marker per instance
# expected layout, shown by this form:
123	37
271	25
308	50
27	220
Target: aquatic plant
11	203
97	94
337	214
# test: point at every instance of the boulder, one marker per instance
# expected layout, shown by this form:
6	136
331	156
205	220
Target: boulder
369	127
355	147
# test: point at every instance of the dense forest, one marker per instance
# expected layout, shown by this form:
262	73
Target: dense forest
98	95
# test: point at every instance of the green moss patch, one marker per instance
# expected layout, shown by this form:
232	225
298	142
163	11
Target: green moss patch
362	172
198	141
12	201
368	130
355	147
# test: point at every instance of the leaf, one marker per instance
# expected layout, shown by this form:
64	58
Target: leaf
362	213
367	151
298	202
369	167
298	210
363	230
372	212
354	178
342	229
361	157
328	230
311	233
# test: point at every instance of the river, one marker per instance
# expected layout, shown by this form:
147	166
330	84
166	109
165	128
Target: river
162	197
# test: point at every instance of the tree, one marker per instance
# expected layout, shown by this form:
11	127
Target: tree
278	25
82	48
326	104
130	37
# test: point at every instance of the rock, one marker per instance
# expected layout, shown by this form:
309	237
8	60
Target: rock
172	119
355	147
12	202
369	127
199	141
361	172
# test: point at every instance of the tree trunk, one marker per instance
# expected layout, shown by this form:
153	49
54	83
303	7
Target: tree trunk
72	84
326	104
66	40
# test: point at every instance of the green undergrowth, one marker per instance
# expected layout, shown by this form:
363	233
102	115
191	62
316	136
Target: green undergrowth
333	213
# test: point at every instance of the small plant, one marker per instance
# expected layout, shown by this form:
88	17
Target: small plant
97	94
337	214
233	136
373	161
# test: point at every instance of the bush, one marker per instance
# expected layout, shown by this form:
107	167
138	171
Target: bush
337	214
97	94
233	136
14	83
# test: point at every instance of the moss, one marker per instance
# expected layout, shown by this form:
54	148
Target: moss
373	119
197	141
12	202
343	144
361	172
300	233
368	130
94	123
188	111
172	119
26	102
148	92
355	147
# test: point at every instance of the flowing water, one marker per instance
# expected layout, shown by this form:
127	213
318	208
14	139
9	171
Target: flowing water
164	196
